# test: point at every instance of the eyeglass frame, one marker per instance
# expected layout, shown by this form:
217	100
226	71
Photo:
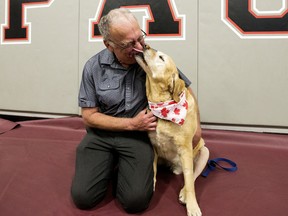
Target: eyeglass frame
131	44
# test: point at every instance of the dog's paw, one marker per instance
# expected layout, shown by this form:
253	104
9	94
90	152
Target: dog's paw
194	212
191	204
182	196
193	208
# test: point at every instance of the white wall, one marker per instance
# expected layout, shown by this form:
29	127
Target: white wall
42	76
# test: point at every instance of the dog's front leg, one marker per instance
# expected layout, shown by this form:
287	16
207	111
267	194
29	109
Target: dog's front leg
187	194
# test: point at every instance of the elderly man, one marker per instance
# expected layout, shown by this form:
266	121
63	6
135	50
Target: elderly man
113	101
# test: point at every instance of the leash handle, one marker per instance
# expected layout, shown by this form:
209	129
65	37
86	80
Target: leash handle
213	163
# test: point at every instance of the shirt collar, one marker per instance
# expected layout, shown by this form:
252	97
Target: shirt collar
109	58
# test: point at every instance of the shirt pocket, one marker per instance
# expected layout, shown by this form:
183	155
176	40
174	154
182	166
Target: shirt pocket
110	96
109	85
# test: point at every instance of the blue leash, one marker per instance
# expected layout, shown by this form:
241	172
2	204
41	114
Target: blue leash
213	163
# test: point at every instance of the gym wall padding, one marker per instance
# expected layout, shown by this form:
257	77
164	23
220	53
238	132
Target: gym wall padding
239	78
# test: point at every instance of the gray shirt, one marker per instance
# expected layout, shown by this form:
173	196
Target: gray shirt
115	90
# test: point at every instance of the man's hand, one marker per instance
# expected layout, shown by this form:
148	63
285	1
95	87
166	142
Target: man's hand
144	121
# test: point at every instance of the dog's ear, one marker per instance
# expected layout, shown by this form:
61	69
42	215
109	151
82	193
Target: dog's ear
176	87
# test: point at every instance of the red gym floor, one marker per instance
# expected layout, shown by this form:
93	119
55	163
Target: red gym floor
37	164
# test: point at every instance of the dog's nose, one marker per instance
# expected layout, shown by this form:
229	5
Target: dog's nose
146	46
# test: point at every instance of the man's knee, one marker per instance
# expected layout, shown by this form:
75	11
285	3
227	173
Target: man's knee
85	200
136	201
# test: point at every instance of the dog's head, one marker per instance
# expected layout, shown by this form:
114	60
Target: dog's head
161	70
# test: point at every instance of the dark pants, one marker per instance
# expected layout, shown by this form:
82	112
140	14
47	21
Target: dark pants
95	163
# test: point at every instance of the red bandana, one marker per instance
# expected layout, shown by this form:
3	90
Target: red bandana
171	110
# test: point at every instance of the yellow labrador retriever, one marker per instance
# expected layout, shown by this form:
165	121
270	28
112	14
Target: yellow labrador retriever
176	110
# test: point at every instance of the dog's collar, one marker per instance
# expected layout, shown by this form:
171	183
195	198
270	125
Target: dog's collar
171	110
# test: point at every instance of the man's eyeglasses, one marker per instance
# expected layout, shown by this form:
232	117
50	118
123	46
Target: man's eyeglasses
131	44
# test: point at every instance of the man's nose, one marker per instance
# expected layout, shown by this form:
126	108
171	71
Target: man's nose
139	45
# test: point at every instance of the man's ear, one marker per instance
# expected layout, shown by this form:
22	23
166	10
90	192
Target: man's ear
107	44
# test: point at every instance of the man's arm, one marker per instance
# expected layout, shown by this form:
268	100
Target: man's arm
141	122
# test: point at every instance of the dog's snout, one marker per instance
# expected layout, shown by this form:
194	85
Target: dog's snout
146	46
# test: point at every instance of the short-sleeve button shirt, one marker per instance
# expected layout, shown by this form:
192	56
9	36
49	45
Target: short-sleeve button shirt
115	90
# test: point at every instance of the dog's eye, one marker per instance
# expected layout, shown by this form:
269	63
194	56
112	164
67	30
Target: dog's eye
161	57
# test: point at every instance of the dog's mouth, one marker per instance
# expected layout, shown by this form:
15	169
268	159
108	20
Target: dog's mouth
140	55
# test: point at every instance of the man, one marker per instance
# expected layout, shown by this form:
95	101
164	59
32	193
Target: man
113	101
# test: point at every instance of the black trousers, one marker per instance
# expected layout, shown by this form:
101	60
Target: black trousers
95	163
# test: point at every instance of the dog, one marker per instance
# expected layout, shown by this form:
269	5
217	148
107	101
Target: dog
172	140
